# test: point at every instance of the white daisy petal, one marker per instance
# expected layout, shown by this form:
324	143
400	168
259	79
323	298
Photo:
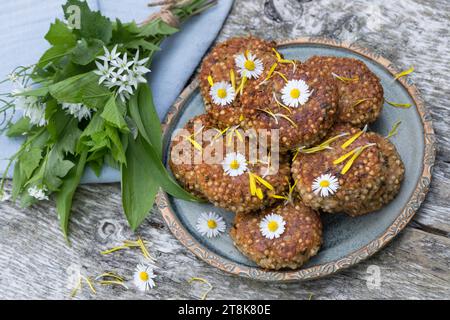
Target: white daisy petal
249	65
272	226
143	277
295	93
234	164
222	93
325	185
210	224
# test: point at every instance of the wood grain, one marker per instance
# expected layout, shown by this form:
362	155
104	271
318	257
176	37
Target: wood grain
36	262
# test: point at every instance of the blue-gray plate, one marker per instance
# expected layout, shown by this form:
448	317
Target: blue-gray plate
346	240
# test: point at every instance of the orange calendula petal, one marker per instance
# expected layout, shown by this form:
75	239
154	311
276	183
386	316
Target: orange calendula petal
345	156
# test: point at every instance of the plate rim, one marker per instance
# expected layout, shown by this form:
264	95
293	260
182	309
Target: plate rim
325	269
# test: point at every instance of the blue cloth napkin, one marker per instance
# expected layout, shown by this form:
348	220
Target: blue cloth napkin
25	22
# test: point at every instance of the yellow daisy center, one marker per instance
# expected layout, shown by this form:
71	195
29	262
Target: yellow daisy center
295	93
324	183
249	65
143	276
212	224
272	226
222	93
234	165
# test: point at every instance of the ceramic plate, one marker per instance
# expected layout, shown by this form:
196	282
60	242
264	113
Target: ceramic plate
347	240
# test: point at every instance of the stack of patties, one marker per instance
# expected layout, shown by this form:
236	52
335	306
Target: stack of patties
326	159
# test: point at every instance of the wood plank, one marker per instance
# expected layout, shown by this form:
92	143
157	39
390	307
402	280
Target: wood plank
36	261
35	258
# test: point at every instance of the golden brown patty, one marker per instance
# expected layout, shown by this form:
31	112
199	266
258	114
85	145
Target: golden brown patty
298	126
359	184
393	176
186	173
301	239
218	64
233	192
361	94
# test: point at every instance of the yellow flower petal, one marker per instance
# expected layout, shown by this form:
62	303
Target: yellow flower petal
403	73
210	81
394	130
259	193
264	182
399	105
354	138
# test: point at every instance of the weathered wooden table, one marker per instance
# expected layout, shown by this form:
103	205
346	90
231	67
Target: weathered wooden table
36	262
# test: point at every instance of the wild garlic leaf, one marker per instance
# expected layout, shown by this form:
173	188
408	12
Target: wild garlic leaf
138	183
147	117
92	24
53	54
86	51
113	115
60	34
65	194
82	88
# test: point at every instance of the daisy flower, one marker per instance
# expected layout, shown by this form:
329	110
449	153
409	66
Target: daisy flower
234	164
38	193
272	226
295	93
210	224
325	185
143	277
78	110
222	93
249	65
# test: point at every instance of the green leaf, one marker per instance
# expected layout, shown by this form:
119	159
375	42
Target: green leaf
156	28
19	128
92	24
139	187
117	150
65	194
82	88
60	34
86	51
113	115
143	112
53	54
38	92
18	181
142	43
56	168
69	137
29	161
